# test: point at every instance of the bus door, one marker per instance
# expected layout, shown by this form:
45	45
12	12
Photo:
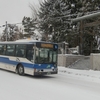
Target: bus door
30	52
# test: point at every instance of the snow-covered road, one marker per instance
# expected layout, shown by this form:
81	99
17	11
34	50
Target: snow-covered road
68	84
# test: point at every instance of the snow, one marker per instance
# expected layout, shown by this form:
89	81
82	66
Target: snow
26	40
89	75
68	84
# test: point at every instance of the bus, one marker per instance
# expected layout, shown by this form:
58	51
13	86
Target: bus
29	57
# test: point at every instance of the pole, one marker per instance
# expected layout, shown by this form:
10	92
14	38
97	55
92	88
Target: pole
6	31
81	38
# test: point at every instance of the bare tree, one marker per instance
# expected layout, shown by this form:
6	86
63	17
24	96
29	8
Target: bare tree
12	33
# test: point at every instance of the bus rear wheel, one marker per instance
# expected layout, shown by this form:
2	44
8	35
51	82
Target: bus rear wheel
20	70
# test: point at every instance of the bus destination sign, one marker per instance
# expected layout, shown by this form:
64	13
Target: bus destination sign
45	45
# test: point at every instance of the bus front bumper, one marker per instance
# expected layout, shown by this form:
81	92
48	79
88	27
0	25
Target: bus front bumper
46	72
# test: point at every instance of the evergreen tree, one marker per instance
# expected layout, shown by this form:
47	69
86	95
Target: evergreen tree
52	21
88	7
84	7
29	25
56	15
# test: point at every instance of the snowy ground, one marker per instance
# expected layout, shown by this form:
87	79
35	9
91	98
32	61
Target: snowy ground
82	74
68	84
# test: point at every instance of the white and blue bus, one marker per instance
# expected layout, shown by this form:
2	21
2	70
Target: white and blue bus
29	57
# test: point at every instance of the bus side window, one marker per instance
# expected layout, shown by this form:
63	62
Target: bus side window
20	50
19	53
10	49
2	49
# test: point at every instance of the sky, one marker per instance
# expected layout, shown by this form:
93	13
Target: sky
13	11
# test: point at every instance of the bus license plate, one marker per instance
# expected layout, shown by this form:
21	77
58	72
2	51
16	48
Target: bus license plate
48	73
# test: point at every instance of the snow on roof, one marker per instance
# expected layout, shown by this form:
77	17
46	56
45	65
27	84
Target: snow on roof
26	40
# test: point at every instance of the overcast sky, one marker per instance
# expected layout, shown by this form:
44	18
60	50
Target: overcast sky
13	11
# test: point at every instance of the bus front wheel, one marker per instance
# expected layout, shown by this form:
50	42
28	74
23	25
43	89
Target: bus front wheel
20	70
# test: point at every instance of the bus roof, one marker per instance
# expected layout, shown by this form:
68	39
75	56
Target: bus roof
24	41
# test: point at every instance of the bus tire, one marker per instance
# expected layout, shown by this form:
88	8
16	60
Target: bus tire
20	69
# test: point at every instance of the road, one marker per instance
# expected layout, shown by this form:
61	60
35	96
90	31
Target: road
52	87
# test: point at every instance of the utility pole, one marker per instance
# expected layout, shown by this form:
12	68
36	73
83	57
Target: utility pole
6	31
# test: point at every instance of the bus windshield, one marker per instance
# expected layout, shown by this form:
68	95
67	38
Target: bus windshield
45	55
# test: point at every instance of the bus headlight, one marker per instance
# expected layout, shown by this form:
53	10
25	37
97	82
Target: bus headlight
52	68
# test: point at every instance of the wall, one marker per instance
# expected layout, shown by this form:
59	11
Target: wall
67	59
95	61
